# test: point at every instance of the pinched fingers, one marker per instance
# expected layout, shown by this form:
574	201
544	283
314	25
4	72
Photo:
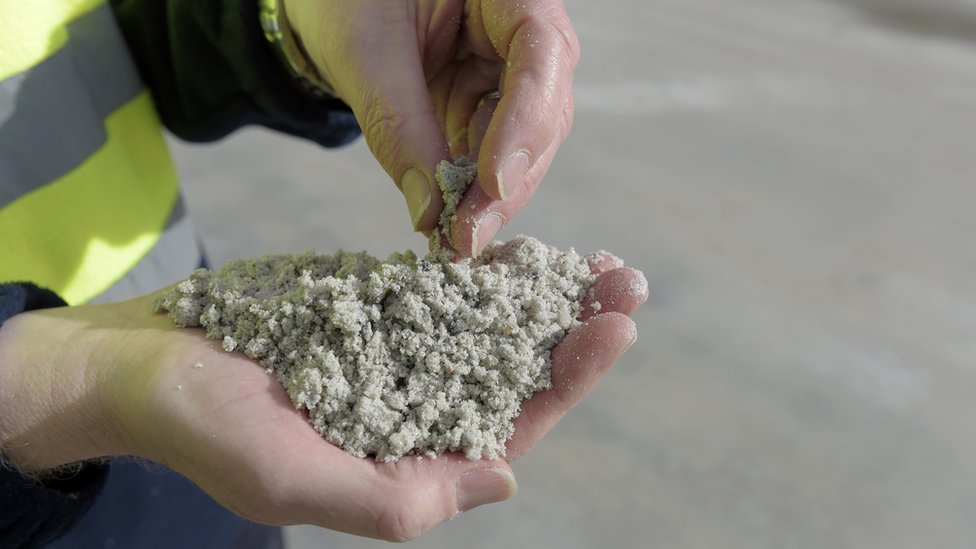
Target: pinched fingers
480	217
620	290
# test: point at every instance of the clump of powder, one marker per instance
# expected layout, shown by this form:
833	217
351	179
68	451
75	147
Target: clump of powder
453	178
396	357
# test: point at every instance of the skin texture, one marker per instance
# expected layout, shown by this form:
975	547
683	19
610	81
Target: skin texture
101	380
432	79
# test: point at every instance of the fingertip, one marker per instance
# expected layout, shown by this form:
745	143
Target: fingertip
603	261
620	290
613	330
628	331
417	191
640	287
478	222
620	333
590	350
484	231
488	181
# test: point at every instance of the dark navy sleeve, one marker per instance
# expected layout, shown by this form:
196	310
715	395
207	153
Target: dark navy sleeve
34	512
211	71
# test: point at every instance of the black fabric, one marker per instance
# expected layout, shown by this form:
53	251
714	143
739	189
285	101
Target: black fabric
19	297
211	71
33	512
146	505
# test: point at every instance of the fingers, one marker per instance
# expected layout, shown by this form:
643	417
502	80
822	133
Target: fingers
535	112
480	217
578	363
531	119
603	261
620	290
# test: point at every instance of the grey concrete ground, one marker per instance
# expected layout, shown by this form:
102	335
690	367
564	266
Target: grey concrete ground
796	179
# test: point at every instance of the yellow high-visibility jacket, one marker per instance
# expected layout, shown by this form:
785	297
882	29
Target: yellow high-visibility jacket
89	201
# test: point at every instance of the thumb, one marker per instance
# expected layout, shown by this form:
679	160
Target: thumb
435	495
399	501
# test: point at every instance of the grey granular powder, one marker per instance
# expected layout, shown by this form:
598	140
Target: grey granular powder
453	178
396	357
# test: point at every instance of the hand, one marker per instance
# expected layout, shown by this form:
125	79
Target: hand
422	76
89	381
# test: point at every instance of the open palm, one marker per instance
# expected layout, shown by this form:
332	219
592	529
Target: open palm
230	427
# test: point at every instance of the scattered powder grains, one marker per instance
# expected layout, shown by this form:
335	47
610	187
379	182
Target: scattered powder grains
396	357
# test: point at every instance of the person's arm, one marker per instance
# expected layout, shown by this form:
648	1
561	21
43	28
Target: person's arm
211	71
39	508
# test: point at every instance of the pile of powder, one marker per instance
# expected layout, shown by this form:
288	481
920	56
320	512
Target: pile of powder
396	357
403	356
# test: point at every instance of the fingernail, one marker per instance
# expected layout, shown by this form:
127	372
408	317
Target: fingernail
512	172
416	190
485	230
484	486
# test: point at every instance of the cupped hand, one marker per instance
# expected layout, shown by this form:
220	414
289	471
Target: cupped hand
230	427
433	79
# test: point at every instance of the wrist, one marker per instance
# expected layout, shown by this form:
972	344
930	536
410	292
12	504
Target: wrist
283	37
52	408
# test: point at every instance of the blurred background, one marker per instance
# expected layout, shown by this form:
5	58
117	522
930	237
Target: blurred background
797	179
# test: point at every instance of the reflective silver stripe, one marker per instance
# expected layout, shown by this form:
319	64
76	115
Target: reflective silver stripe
51	116
175	256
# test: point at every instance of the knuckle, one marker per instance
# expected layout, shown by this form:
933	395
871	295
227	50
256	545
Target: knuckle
567	40
380	126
